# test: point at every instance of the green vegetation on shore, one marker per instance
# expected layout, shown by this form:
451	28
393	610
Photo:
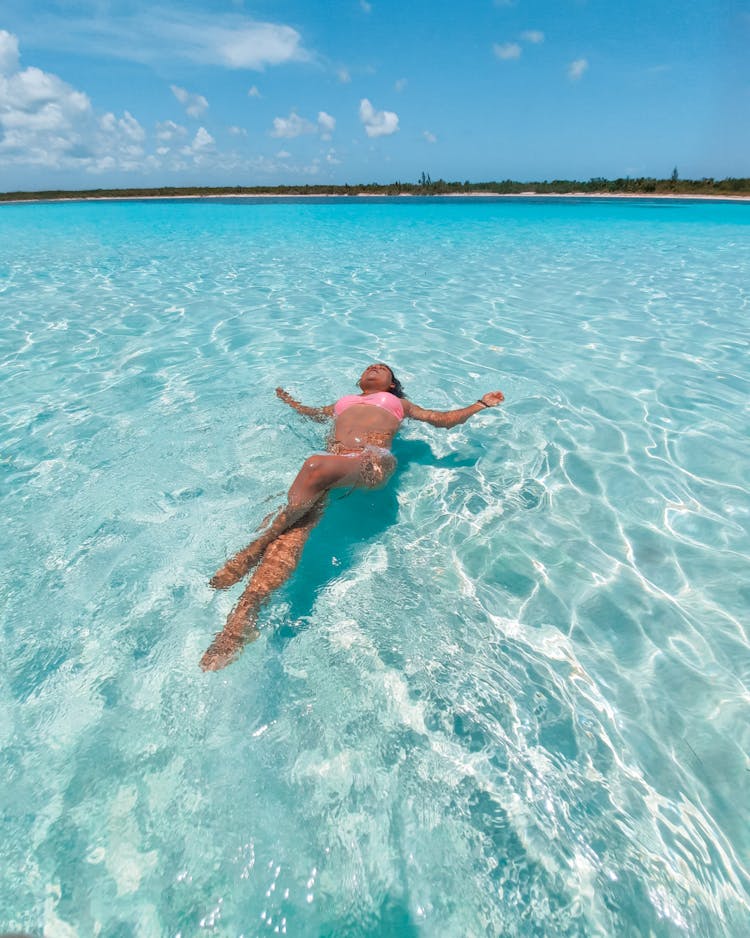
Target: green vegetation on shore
641	186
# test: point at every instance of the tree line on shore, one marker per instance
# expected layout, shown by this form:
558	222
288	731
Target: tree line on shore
424	186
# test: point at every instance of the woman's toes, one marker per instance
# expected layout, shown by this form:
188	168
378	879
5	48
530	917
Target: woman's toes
220	653
222	579
225	648
231	573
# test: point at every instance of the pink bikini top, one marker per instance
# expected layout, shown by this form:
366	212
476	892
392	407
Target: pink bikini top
383	399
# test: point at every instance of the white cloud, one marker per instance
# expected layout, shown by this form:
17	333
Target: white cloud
8	53
326	125
201	151
429	137
400	84
507	50
32	89
377	123
343	76
532	35
48	126
292	126
256	45
202	139
366	7
157	35
118	144
332	159
295	126
253	92
166	131
283	155
127	126
326	121
194	104
236	131
46	122
577	68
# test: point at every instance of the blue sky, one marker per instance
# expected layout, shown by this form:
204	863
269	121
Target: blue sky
97	94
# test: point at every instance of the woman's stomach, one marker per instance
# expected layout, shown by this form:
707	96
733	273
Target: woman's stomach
364	425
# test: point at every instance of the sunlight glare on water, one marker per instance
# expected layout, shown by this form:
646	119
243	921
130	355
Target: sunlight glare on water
506	695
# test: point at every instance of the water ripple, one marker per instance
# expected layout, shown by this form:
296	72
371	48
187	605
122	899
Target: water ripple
506	695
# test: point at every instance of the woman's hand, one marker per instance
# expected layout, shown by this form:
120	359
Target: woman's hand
284	396
492	398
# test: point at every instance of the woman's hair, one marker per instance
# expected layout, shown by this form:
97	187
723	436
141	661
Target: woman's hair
396	390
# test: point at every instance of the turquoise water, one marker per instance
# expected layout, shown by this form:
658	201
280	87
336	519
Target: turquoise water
507	695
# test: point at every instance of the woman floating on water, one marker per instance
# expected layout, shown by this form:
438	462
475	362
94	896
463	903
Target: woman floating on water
358	456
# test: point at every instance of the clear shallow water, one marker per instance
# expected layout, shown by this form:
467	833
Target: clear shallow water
506	695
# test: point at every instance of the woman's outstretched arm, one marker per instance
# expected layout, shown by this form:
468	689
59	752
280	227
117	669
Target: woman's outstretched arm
452	418
319	414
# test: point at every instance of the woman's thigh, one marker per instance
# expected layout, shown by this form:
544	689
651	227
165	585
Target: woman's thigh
338	471
325	471
322	472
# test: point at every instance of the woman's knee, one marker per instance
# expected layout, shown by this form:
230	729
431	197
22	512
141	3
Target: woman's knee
309	484
325	472
313	472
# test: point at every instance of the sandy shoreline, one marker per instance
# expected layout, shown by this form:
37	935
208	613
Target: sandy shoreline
270	196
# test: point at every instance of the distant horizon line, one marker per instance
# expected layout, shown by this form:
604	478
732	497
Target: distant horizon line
728	187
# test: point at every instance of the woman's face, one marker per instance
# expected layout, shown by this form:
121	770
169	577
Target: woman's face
377	377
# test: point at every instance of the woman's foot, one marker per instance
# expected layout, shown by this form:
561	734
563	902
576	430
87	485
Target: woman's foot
225	648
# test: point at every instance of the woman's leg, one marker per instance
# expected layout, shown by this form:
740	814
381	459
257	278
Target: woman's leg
317	475
276	566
